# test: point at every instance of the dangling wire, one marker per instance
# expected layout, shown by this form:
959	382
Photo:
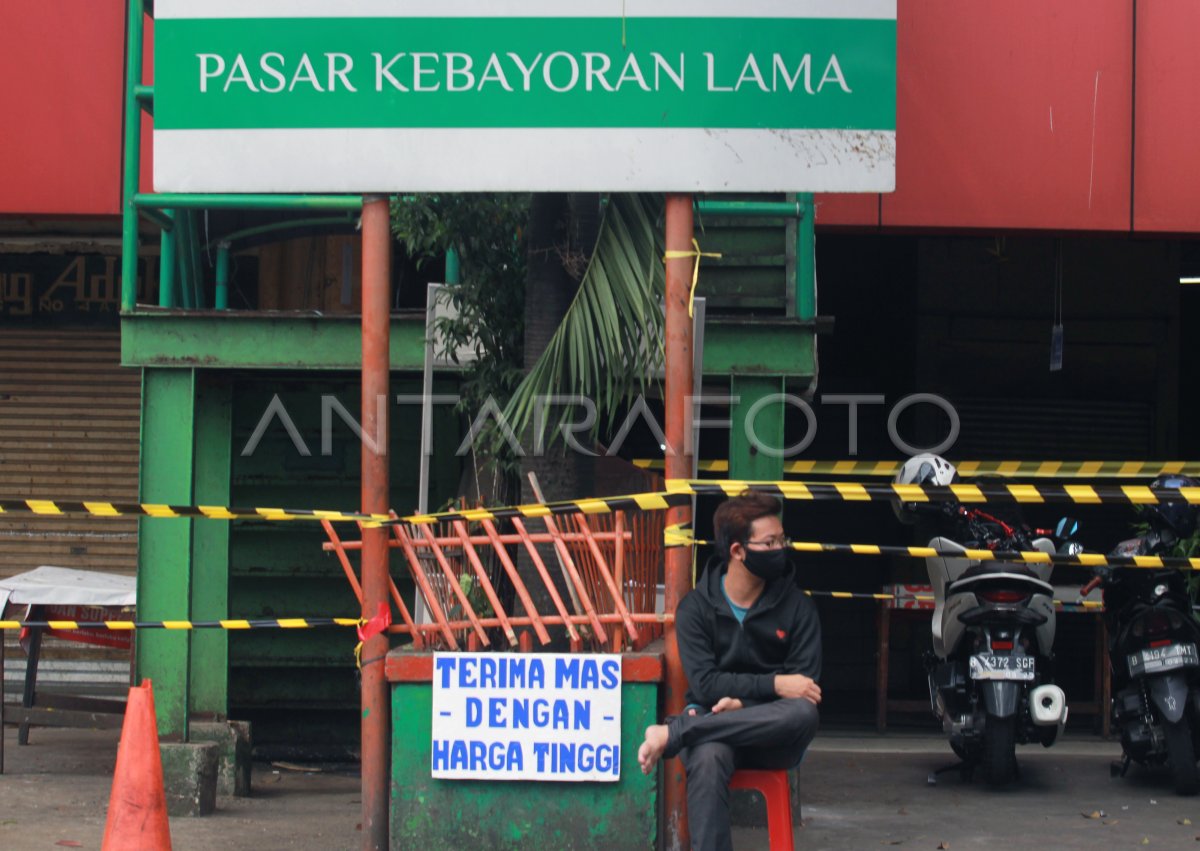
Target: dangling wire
1056	328
1058	283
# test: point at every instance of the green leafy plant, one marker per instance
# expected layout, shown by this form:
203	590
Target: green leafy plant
611	340
608	345
487	232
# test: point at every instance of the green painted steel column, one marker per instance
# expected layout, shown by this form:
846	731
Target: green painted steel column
453	274
210	544
193	259
184	247
132	154
759	410
806	261
164	574
166	268
221	300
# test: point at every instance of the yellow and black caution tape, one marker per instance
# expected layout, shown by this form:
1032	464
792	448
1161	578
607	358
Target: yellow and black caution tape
233	624
928	598
52	507
1028	469
961	492
678	493
681	536
653	501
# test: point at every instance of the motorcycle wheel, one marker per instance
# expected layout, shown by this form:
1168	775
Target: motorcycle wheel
999	750
1182	758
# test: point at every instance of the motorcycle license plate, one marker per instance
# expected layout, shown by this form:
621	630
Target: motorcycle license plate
989	666
1155	659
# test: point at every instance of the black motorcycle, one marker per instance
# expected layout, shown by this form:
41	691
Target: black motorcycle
1152	640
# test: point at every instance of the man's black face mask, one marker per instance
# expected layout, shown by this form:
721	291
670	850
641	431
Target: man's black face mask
766	564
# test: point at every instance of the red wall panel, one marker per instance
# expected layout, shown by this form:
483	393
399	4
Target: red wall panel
62	66
1013	114
1166	169
145	175
1010	114
855	210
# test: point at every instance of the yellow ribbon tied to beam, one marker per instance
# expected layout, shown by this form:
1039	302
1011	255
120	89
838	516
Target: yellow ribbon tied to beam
697	254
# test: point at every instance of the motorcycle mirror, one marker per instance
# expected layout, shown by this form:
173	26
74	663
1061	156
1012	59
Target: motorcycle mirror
1068	527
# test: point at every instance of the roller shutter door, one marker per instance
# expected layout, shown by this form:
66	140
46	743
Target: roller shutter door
68	430
1040	429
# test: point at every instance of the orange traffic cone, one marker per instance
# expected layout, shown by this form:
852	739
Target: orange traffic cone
137	809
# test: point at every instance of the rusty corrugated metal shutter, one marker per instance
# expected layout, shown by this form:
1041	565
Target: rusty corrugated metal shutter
68	430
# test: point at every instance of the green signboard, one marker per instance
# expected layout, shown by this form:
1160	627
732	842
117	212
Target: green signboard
379	95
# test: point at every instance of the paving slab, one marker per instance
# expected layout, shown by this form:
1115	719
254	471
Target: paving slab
859	791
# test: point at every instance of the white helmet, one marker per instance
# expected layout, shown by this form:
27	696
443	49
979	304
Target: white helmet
923	469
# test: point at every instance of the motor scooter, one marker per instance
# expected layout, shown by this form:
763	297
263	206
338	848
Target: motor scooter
1153	636
991	672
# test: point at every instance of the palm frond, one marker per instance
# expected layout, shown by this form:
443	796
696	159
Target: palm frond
610	341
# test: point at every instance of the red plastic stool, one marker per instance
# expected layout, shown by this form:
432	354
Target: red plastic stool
775	791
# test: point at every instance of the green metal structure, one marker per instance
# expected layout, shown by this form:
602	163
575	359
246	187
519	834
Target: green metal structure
519	815
209	373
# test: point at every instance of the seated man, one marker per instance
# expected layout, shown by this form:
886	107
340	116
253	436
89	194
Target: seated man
750	643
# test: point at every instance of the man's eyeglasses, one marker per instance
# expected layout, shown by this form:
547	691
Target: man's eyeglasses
779	542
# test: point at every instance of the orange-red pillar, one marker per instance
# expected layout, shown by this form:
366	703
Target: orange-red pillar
678	416
376	302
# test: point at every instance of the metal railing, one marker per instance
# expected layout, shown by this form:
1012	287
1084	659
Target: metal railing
469	582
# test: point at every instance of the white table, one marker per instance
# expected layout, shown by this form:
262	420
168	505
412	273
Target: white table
59	593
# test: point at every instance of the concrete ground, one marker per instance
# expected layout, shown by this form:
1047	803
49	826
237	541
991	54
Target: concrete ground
54	794
860	791
864	791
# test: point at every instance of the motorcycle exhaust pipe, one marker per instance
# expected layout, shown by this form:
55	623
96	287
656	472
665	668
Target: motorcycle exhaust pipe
1048	706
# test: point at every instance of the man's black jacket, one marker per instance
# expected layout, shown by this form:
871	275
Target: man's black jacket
722	658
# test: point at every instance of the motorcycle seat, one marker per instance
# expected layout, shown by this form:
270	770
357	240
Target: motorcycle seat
986	567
